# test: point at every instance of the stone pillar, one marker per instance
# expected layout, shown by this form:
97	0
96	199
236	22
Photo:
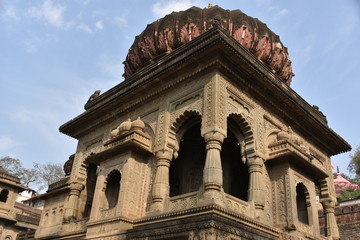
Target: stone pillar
213	176
73	202
256	191
161	187
330	220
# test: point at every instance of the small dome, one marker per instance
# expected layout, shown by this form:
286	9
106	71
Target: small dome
125	126
178	28
138	124
115	132
284	135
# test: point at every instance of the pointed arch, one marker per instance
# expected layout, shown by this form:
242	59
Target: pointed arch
4	195
186	170
112	190
233	159
91	179
183	122
302	203
247	132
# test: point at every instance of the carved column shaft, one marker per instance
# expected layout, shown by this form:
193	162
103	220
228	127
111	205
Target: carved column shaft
213	176
256	191
330	220
72	207
161	186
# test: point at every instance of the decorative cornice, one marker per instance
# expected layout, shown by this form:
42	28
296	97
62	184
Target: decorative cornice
133	139
214	49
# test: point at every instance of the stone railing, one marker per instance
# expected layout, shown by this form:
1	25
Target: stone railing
236	205
58	184
10	177
182	202
75	226
26	210
28	219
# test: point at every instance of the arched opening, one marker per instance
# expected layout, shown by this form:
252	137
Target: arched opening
113	189
4	195
301	203
235	171
186	171
90	187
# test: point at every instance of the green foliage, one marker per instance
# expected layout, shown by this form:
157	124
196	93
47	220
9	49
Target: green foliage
354	165
349	195
38	177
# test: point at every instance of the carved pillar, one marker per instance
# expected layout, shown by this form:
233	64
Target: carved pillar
213	177
330	220
161	186
73	202
256	191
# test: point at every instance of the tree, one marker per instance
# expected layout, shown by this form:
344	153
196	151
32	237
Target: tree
349	194
354	165
11	165
38	177
49	173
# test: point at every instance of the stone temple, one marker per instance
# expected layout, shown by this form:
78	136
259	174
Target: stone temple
204	139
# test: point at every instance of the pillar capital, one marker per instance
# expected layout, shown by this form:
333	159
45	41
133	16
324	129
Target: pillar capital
214	136
76	188
164	154
328	203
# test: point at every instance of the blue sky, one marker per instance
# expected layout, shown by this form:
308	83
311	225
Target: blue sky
55	54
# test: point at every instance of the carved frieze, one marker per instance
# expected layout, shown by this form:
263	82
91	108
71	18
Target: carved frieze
162	131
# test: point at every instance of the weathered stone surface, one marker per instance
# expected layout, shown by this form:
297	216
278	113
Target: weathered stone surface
223	148
178	28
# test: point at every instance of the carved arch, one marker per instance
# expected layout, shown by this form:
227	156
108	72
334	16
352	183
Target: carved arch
303	203
247	132
181	124
112	188
4	195
187	166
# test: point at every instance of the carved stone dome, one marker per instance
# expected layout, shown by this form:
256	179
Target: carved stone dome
178	28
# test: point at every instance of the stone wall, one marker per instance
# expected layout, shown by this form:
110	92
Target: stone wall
348	220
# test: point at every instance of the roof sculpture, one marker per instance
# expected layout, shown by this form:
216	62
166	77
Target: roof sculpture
178	28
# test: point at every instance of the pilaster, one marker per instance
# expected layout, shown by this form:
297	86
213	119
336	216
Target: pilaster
161	187
256	192
73	202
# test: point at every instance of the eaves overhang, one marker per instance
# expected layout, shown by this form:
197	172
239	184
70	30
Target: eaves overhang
231	59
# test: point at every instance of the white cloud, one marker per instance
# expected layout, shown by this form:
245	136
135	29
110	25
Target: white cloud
121	22
32	43
277	11
99	25
283	11
39	120
162	8
50	12
84	28
6	143
9	14
30	46
346	28
111	66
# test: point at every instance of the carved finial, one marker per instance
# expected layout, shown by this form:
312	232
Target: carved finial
210	5
138	124
216	21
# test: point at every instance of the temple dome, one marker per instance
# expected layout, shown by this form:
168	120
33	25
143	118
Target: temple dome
178	28
343	184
